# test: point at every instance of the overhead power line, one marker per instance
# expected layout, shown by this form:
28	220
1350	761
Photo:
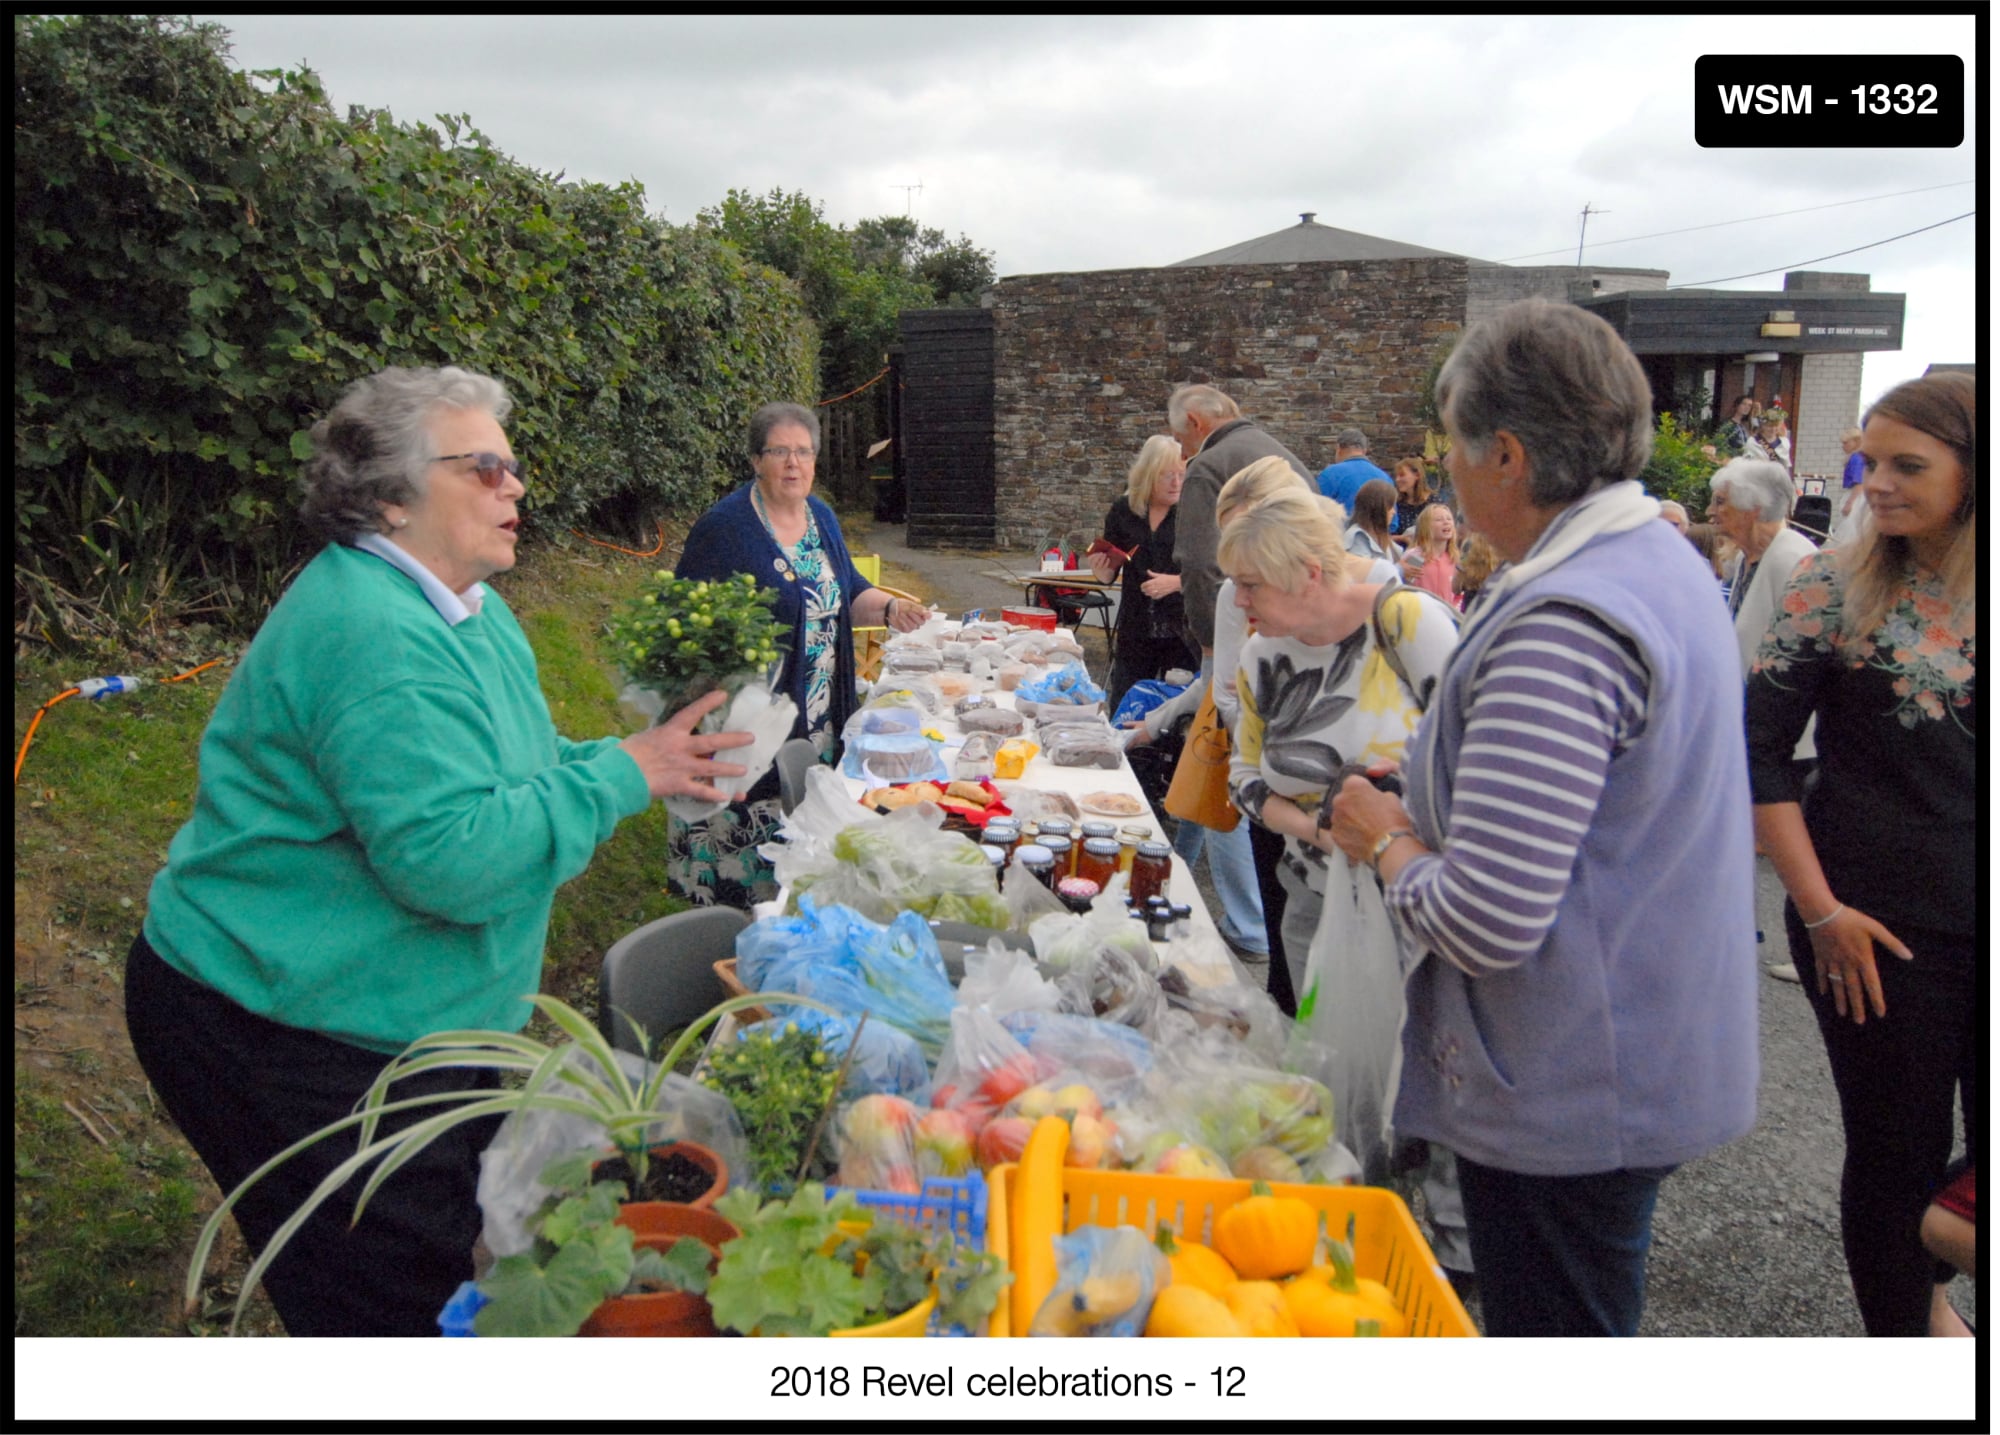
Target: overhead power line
1751	219
1798	263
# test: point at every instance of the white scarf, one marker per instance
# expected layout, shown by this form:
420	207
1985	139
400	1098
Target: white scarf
1617	508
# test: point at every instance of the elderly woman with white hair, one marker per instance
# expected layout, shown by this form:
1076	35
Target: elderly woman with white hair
1750	500
1574	850
384	813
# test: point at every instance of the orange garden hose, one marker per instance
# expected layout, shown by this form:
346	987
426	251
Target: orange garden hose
851	392
658	523
21	757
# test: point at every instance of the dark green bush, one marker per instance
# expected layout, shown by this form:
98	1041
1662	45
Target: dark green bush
204	259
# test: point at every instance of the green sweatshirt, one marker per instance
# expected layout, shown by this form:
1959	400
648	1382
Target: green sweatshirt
384	813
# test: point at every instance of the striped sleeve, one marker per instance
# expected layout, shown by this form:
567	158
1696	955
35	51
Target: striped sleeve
1557	695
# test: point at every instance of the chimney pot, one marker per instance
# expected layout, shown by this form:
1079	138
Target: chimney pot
1307	217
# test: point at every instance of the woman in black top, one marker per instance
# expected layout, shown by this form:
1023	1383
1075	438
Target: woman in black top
1414	493
1152	630
1878	638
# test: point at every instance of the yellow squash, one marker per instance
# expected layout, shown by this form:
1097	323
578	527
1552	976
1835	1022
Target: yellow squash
1192	1263
1266	1236
1191	1311
1261	1307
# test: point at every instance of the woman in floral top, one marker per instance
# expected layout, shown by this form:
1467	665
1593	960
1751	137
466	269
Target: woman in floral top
1878	638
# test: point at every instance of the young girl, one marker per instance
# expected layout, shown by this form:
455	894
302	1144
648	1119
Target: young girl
1432	557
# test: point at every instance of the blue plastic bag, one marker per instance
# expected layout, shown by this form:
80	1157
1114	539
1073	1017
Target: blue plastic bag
1141	698
835	955
1067	684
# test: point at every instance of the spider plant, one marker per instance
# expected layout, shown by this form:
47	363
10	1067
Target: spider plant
596	1088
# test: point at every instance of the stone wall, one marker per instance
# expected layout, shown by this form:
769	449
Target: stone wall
1083	364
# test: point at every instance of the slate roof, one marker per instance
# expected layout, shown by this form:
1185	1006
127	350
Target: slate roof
1309	242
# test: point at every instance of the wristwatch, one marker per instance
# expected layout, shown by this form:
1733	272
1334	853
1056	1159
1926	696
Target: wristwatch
1382	845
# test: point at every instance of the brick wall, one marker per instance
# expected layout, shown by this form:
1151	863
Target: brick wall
1083	364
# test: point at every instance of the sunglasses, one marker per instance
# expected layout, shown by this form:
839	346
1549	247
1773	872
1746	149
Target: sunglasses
492	469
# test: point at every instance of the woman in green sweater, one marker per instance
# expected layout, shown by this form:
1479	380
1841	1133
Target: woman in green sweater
384	813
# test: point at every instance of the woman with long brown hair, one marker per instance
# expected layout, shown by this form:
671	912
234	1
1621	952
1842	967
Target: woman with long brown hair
1368	526
1878	638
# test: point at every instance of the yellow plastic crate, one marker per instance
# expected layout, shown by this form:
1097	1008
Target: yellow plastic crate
1032	1202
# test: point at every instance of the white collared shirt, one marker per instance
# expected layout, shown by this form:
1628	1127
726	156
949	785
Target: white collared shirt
454	608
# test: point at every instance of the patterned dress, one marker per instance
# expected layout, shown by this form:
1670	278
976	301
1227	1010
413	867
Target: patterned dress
715	862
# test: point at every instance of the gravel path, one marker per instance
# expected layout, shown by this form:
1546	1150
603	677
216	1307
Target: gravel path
1746	1241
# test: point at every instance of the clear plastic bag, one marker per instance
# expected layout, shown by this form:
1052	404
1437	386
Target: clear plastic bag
874	1139
1004	980
1027	900
983	1067
1103	962
1212	1095
1106	1278
1352	1011
510	1189
768	718
887	1059
903	691
901	661
1085	747
974	758
1003	722
895	758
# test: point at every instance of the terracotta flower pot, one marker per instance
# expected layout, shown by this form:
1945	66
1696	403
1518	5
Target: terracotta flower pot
657	1225
702	1157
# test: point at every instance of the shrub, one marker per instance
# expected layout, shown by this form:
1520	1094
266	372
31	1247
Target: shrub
1681	465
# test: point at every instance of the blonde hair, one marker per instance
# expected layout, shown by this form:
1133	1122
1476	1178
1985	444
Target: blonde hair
1426	534
1281	535
1156	454
1477	558
1877	567
1255	482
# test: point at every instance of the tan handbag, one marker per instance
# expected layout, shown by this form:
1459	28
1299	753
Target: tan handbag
1200	789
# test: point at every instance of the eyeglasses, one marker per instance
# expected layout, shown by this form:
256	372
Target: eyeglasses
492	469
803	455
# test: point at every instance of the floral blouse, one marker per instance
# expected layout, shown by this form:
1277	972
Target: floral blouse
821	589
1893	814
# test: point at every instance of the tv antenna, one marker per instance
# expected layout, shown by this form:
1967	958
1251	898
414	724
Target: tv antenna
908	190
1582	228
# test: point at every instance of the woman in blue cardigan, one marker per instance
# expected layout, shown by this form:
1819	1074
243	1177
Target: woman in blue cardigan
774	529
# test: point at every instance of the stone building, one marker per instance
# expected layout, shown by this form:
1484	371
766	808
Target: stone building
1019	419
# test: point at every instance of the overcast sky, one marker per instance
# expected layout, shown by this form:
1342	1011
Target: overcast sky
1102	143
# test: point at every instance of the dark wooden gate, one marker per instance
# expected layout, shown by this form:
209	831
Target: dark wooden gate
945	426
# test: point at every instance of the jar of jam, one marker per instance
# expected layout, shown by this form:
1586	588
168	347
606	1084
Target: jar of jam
1129	839
1151	868
1064	852
1035	860
1000	834
995	855
1058	827
1077	893
1099	828
1098	860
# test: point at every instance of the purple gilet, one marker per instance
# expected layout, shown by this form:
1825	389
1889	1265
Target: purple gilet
1588	1002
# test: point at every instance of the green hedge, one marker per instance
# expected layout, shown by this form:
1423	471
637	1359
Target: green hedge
205	258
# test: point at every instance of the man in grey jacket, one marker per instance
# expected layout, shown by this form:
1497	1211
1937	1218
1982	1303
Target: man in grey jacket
1216	440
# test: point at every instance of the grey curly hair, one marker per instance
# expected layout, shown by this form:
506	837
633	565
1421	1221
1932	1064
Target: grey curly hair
1562	382
374	446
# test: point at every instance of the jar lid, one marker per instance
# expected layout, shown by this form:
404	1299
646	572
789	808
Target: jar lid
993	854
1057	824
1154	849
1056	842
1101	846
1099	829
1031	854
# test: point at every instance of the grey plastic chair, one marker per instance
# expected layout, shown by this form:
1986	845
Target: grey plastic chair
795	760
663	974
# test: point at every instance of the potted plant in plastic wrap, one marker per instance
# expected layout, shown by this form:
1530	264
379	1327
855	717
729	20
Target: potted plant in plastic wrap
682	637
579	1095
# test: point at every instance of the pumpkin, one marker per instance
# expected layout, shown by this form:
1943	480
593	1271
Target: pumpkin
1266	1236
1260	1307
1192	1263
1181	1310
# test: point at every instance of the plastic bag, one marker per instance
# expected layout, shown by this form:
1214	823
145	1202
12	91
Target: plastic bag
1010	676
1243	1011
874	1139
1003	980
974	758
903	691
1067	684
982	1068
1106	1278
1085	747
1001	721
768	718
838	956
888	865
1102	961
895	758
510	1189
1352	1010
1207	1093
1027	899
1142	697
900	661
1113	1058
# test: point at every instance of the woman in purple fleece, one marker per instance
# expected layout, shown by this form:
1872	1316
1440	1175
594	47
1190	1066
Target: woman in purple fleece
1574	861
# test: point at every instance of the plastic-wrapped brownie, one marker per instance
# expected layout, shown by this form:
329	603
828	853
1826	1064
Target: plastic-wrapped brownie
974	700
1084	747
912	659
1003	721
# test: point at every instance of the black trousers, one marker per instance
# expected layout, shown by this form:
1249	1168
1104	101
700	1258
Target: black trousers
1896	1076
242	1088
1267	850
